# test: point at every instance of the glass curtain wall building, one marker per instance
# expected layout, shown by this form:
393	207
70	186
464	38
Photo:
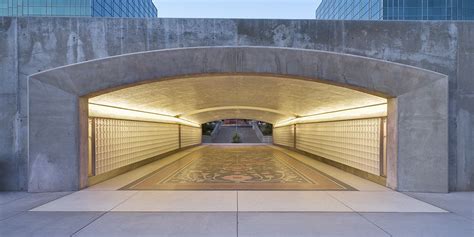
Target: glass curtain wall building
396	10
90	8
350	9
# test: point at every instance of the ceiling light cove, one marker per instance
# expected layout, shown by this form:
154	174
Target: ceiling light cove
273	99
235	108
104	111
371	111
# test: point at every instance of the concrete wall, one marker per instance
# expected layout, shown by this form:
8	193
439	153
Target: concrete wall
30	45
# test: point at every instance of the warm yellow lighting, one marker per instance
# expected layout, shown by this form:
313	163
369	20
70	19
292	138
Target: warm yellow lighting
285	122
96	110
379	110
235	107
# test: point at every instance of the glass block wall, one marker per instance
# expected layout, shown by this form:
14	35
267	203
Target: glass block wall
355	143
91	8
396	10
190	136
118	143
284	135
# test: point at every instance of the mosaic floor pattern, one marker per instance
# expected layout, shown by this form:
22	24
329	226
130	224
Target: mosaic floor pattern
237	168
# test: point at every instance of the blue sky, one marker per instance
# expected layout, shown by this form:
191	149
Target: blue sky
263	9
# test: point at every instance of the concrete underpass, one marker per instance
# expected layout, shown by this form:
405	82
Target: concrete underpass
358	125
111	131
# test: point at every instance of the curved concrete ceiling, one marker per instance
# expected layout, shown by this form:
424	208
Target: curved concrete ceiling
187	114
259	115
266	98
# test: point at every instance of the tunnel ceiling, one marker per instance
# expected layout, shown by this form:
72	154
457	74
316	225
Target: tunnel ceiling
237	113
265	98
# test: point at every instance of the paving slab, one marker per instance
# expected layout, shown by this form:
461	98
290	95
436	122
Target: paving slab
461	203
6	197
382	202
49	224
119	224
181	201
289	201
423	224
306	224
27	202
87	201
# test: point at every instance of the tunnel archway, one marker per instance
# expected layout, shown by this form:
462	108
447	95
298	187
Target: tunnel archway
417	105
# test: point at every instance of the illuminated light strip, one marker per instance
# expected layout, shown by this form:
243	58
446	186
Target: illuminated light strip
378	110
238	107
98	110
285	122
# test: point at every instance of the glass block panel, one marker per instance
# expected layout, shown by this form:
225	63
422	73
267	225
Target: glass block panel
355	143
284	136
122	142
190	136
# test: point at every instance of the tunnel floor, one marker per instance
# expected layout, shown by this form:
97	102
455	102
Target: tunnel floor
241	167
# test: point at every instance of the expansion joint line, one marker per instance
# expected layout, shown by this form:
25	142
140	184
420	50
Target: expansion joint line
237	213
358	213
102	214
90	222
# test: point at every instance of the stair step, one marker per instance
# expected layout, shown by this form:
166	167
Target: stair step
247	134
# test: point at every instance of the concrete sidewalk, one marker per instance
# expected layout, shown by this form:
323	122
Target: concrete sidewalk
16	220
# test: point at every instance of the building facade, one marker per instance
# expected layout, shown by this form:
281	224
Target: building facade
86	8
396	10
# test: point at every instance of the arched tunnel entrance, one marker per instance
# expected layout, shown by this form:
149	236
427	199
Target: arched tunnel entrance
337	124
94	120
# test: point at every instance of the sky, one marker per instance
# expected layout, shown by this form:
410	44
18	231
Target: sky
259	9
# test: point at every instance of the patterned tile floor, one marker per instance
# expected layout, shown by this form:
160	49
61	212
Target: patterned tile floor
237	168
